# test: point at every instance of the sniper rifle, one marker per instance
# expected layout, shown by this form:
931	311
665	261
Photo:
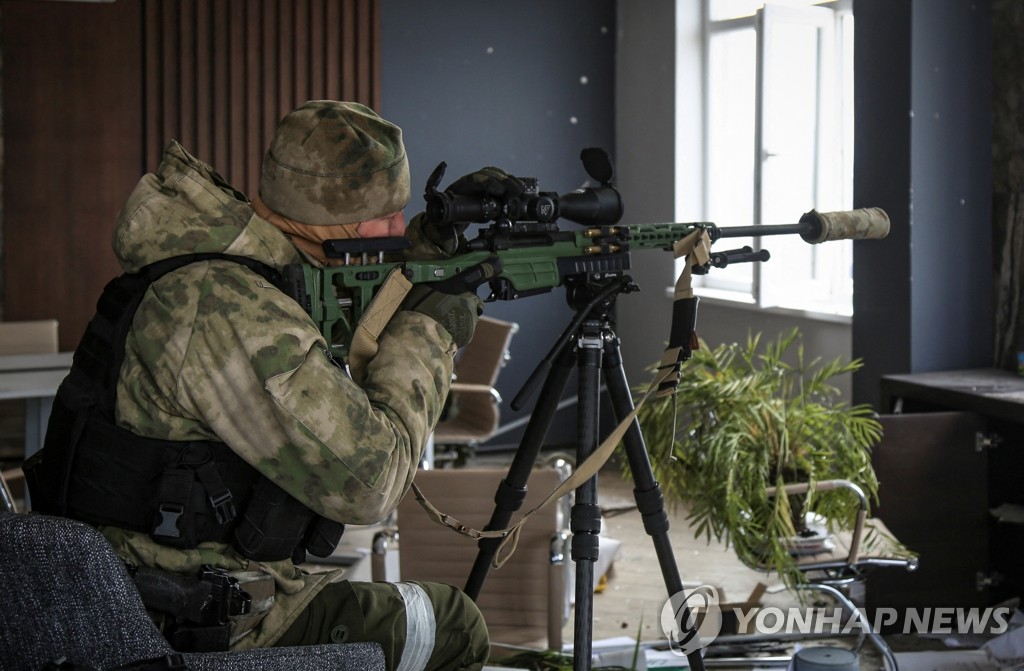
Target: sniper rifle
533	253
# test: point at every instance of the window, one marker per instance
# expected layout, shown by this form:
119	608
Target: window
777	129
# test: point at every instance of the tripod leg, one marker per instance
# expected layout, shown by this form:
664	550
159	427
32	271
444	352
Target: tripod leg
586	513
512	490
647	492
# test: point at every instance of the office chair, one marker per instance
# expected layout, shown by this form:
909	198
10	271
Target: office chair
849	558
28	337
472	410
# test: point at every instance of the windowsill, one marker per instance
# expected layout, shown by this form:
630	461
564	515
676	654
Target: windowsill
741	302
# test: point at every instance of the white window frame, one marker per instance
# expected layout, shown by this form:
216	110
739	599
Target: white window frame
760	286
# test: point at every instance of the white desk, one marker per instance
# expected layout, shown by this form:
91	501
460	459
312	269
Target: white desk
34	378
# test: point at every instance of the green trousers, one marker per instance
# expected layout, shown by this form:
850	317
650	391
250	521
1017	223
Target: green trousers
399	618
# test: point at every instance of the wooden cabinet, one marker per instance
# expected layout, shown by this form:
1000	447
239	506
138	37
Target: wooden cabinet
953	452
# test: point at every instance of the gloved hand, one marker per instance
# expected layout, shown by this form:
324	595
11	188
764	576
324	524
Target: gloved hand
427	244
453	302
489	181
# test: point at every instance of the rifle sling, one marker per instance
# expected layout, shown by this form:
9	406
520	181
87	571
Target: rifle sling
377	315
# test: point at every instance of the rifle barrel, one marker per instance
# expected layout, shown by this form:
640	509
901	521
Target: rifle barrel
755	231
866	223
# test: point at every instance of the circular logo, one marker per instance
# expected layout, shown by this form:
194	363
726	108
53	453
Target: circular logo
691	620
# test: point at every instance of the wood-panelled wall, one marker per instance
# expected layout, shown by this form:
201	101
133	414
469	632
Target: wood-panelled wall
93	92
72	125
221	73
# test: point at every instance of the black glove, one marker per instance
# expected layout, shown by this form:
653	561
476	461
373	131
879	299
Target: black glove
453	302
489	181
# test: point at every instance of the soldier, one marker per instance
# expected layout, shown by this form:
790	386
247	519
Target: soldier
214	439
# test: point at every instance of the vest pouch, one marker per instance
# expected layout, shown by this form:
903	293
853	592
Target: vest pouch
273	524
322	536
198	495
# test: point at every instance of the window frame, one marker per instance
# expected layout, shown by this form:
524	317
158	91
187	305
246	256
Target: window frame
718	286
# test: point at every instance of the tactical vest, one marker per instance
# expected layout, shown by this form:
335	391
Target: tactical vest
180	493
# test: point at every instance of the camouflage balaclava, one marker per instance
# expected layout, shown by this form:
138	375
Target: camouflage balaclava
335	163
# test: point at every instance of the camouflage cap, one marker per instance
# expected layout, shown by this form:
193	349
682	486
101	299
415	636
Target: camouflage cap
335	163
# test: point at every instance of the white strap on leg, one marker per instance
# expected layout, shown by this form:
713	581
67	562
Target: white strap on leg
420	627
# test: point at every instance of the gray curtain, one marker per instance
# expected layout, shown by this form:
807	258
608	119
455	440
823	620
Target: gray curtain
1008	179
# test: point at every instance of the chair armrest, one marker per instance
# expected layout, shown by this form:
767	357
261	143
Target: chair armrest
828	485
472	388
379	552
558	589
6	497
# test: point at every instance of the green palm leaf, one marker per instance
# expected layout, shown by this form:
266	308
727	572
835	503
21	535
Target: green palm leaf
747	417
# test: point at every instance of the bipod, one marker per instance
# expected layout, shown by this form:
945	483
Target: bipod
591	346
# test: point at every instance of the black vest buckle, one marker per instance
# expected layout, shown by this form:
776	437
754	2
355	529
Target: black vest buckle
217	493
223	506
168	524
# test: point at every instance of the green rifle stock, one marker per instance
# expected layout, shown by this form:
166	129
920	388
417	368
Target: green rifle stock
531	263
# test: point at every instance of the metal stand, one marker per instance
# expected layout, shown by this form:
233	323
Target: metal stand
591	345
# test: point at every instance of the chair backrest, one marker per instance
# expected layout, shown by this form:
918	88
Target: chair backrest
472	414
28	337
73	598
481	360
524	600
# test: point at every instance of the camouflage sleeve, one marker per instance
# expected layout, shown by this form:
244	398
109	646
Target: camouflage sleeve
252	372
358	448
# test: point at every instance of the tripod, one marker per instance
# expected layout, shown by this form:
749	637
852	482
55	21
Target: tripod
591	346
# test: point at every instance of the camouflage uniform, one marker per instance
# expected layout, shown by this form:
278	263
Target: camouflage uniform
216	353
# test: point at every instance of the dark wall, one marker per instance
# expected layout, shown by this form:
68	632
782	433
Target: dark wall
923	299
522	85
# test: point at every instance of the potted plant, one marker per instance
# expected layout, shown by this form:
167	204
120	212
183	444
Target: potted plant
746	418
